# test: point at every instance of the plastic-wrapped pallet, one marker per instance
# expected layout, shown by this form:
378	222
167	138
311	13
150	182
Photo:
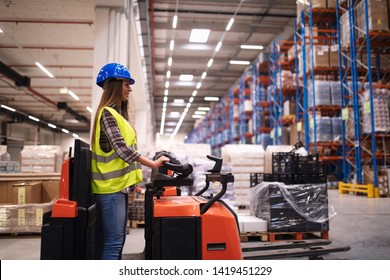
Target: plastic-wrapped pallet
335	92
323	129
293	208
243	159
336	128
321	94
381	111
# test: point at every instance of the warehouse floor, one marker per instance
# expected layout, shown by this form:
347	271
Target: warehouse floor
360	222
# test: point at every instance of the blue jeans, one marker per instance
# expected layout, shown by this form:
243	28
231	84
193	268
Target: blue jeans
112	215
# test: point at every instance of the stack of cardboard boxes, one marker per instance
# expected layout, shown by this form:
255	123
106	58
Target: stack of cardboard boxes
22	204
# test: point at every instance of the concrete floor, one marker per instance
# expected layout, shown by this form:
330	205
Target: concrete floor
361	223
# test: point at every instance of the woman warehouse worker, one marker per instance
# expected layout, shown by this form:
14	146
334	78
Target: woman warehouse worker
115	160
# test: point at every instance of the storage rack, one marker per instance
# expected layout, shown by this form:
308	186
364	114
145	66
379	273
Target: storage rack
260	126
357	74
318	106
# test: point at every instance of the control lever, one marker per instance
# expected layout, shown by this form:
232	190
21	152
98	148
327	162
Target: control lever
218	164
183	170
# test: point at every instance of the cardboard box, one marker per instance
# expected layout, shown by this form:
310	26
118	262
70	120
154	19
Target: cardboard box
6	192
27	192
50	190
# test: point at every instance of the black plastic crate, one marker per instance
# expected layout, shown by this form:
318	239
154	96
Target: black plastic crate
256	178
284	163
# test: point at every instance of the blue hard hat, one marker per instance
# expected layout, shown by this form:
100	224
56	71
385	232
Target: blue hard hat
113	71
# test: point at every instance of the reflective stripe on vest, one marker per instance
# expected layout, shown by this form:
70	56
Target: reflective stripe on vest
109	172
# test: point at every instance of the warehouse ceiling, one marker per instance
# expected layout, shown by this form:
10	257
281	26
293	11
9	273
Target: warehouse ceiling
60	36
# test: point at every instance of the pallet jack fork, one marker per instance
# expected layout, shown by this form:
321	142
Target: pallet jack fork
68	231
205	227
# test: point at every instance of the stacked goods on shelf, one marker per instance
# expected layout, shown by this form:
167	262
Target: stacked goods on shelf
321	94
136	209
23	204
316	4
42	158
323	127
335	93
383	180
378	16
243	160
381	115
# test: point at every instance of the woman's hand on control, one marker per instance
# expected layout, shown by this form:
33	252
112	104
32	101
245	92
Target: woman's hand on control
160	160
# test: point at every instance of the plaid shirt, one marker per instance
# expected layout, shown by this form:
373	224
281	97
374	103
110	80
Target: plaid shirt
111	138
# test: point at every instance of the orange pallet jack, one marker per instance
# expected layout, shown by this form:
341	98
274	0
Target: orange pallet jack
68	231
205	227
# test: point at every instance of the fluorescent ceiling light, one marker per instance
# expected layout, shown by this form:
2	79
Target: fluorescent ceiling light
239	62
51	125
194	93
33	118
191	99
178	101
197	47
8	108
170	61
71	93
218	47
75	135
198	85
203	108
200	112
211	98
165	99
199	35
252	47
166	84
172	45
171	123
174	114
47	72
65	130
168	74
174	22
63	90
210	62
204	74
196	116
186	77
89	109
1	30
230	24
166	92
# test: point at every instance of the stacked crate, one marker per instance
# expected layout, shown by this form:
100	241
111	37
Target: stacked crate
243	160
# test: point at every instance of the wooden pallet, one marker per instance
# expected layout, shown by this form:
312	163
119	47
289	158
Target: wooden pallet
137	223
253	236
276	236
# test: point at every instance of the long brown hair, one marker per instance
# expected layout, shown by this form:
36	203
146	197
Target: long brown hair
112	92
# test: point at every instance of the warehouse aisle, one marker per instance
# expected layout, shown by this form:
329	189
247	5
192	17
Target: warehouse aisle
360	222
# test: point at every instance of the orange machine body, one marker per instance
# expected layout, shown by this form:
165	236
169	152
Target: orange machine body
219	231
63	207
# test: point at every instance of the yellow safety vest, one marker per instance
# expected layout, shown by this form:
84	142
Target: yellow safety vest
110	173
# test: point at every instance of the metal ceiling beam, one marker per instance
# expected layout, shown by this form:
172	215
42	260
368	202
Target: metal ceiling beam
208	12
220	27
